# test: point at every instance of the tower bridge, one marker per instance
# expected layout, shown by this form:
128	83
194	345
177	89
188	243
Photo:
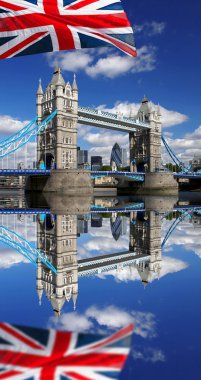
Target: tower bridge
56	128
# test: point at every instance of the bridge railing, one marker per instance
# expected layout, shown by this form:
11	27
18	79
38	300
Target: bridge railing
111	116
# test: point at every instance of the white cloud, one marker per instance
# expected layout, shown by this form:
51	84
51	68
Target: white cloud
150	28
72	322
149	354
169	265
110	318
71	61
186	235
185	148
169	117
10	125
10	258
114	65
110	64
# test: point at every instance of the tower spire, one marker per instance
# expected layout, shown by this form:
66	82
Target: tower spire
74	86
40	89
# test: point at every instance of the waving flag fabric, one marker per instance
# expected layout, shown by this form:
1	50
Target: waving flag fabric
35	354
38	26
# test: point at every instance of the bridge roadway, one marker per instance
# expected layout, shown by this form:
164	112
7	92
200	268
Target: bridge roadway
130	176
101	264
94	210
106	120
134	176
98	209
187	175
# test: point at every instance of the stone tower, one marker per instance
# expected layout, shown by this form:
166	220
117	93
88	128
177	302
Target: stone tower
57	239
57	144
145	145
145	240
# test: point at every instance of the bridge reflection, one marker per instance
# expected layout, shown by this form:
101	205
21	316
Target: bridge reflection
59	244
57	238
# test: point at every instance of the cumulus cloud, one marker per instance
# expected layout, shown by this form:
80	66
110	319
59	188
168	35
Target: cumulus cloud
72	322
10	258
115	65
105	61
185	148
186	235
148	354
10	125
71	61
107	319
169	265
169	117
150	28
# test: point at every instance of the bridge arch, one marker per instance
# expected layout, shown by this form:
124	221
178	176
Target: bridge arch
49	161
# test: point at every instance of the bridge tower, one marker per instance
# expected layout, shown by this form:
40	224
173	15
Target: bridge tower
57	144
145	145
145	239
57	239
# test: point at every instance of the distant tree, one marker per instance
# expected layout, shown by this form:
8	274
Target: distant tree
173	167
106	168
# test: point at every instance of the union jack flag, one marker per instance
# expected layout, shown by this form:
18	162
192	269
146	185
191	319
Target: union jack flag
38	26
36	354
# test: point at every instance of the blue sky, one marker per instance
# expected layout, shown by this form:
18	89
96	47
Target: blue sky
167	70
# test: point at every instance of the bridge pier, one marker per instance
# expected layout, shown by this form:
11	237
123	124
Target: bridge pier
72	182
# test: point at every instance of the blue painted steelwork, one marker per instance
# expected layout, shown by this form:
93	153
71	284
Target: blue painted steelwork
188	175
12	239
134	176
175	159
184	215
129	208
18	134
25	135
24	211
24	172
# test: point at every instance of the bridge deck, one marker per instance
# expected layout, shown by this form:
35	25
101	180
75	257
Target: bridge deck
102	119
108	262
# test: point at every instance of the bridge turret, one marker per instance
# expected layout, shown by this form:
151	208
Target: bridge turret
58	240
145	240
145	144
57	145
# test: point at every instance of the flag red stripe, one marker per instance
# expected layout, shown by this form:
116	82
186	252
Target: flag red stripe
77	376
121	45
8	374
15	333
81	4
35	20
61	346
10	6
31	361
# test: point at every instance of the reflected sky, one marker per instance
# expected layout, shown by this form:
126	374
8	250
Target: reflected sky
117	274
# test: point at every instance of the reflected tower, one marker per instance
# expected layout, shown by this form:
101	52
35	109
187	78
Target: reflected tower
57	238
145	240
